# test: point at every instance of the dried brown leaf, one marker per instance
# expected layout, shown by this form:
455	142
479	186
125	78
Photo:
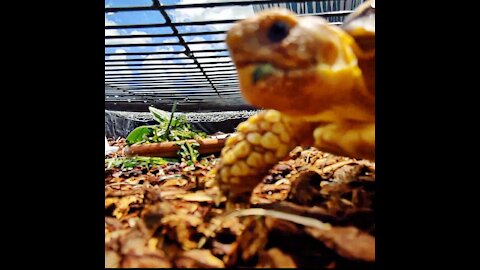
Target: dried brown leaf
348	242
112	259
254	237
198	258
303	191
275	258
123	205
174	182
199	196
348	173
132	261
229	252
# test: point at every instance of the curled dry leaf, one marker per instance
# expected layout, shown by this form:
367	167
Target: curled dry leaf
148	261
348	242
227	251
202	258
112	259
269	193
175	182
122	205
303	190
109	192
199	196
348	173
137	253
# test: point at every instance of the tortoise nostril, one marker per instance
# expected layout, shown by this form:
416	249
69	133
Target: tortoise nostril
278	31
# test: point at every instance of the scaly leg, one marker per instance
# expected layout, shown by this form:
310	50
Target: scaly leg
352	139
260	142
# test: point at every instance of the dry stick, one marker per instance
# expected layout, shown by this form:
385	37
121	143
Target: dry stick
305	221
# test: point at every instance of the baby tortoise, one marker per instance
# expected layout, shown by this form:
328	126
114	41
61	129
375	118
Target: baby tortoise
316	81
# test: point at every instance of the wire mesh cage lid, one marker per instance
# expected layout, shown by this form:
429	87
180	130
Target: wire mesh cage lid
176	52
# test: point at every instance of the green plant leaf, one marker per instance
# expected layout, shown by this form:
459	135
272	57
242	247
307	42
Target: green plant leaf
140	134
169	128
159	115
130	163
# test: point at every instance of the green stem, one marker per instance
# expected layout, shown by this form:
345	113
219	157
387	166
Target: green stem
190	150
167	133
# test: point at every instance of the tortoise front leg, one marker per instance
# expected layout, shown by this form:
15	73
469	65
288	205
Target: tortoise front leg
352	139
260	142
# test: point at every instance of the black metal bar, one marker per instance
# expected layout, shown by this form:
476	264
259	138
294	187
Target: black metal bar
163	44
185	73
189	90
219	68
154	83
165	58
168	77
170	52
171	68
160	95
156	96
121	9
224	74
163	64
327	14
156	79
162	73
164	99
166	35
178	89
182	90
159	86
173	85
226	78
170	81
183	99
158	68
143	93
215	72
204	5
158	25
183	96
187	97
170	86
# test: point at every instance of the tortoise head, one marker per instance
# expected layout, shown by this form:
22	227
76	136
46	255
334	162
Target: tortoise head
297	65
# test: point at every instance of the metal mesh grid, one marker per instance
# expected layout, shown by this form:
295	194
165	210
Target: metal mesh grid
173	59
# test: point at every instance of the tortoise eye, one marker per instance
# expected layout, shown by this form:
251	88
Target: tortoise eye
278	31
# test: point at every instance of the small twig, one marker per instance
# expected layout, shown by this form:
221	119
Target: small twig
171	176
307	160
305	221
123	183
